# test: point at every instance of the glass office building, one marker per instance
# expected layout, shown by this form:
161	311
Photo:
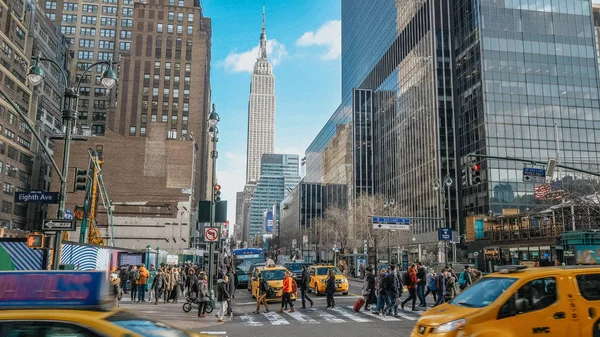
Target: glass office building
526	73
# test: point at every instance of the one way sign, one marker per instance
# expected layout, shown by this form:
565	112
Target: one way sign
58	225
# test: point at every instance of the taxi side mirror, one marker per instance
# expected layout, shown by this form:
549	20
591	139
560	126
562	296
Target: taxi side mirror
521	305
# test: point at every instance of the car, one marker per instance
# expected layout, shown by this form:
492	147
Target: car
296	269
318	279
274	276
519	301
69	303
251	272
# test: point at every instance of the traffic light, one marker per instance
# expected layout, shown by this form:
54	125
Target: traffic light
476	174
217	191
465	176
35	241
80	180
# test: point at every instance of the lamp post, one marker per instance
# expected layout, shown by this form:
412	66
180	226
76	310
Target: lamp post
448	181
69	116
213	131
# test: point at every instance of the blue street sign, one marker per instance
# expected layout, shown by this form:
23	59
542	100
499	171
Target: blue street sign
389	220
37	197
445	234
533	174
69	215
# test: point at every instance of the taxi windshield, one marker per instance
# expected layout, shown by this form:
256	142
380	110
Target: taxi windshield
143	326
272	275
484	292
294	267
324	271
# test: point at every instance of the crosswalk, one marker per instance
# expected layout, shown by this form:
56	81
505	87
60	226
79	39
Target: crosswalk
318	316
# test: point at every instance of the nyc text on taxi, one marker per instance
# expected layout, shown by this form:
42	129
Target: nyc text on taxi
519	302
69	303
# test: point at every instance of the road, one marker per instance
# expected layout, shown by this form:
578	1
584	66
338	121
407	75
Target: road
341	321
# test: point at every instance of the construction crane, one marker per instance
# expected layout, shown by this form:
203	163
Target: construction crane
95	187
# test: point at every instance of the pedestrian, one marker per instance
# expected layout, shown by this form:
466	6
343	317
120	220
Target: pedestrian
411	282
288	290
368	292
222	297
168	285
304	286
330	289
263	291
201	288
115	283
124	276
464	280
392	292
231	290
133	276
190	282
440	287
157	286
421	284
450	291
380	291
361	270
231	277
432	285
142	280
182	281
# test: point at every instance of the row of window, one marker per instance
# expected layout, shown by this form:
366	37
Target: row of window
171	27
89	55
171	16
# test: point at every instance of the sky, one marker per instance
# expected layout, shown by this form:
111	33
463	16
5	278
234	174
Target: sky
304	45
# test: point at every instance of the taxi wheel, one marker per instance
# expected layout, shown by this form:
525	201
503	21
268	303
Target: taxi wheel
346	293
317	290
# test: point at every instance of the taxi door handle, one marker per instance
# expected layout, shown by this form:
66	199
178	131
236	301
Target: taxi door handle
592	313
559	315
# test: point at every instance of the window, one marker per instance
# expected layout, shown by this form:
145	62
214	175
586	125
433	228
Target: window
181	3
179	29
171	16
90	8
190	30
127	11
112	10
6	207
87	43
159	27
127	23
175	93
87	31
11	171
9	134
589	286
68	30
188	68
172	134
124	45
126	34
164	118
533	296
180	17
8	189
105	56
98	129
168	67
171	2
70	6
70	18
26	160
84	91
191	17
51	16
86	55
169	28
37	328
154	91
89	20
132	130
26	144
104	21
142	131
107	32
105	44
50	4
99	92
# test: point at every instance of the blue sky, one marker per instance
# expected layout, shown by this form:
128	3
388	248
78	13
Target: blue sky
304	45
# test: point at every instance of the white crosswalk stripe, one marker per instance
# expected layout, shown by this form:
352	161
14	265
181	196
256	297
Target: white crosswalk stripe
304	319
350	315
250	321
381	317
329	318
275	319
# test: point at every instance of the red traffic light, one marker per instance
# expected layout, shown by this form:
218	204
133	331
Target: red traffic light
217	187
476	167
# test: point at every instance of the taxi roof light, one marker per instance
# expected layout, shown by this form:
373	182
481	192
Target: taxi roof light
509	269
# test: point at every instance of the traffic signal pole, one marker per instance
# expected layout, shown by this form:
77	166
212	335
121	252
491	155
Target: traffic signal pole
213	133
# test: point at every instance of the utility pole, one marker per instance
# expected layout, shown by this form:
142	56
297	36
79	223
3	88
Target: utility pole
213	131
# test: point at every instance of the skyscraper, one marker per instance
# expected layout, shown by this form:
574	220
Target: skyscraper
261	110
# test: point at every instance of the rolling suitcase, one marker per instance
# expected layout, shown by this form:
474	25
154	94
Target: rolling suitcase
359	303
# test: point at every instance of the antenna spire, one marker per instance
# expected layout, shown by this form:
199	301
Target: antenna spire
263	38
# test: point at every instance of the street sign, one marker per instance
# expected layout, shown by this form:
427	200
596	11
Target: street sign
69	215
211	234
37	197
534	175
391	226
58	225
445	234
383	222
366	247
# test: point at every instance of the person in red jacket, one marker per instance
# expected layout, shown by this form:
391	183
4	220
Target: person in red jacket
412	291
288	289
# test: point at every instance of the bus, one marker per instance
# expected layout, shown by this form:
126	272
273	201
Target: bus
243	259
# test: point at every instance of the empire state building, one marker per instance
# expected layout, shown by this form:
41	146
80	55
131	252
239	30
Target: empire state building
261	110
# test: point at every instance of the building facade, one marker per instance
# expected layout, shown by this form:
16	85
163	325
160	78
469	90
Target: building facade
279	176
261	111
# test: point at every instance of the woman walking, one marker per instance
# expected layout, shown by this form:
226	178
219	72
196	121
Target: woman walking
330	289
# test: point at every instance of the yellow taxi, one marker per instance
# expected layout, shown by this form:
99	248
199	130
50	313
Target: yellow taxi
517	301
274	276
318	279
69	303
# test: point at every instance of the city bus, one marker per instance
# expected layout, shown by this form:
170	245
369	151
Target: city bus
243	259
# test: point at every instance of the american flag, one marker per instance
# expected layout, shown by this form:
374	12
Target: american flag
551	191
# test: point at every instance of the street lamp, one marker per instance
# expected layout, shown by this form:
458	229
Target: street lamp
437	185
69	116
213	131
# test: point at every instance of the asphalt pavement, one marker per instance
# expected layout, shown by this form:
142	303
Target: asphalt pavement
341	321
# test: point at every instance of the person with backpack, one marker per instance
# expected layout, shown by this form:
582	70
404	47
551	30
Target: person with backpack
432	285
304	285
289	287
464	279
264	290
440	286
392	292
421	284
134	275
410	283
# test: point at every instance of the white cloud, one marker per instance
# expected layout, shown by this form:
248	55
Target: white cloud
231	174
244	61
328	35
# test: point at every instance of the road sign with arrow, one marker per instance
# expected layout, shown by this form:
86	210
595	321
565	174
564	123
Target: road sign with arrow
58	225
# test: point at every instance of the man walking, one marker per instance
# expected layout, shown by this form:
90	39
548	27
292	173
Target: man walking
421	284
410	282
157	286
201	288
304	285
142	281
441	286
393	291
222	297
288	289
263	291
